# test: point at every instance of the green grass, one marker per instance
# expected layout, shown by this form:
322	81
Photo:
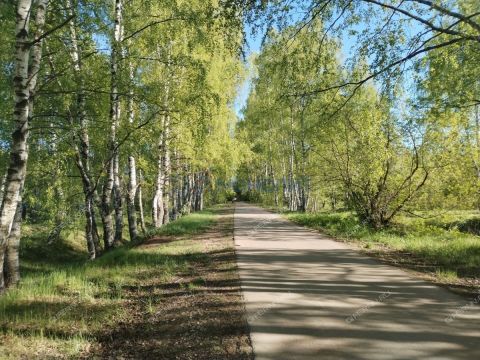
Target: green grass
440	242
189	225
64	299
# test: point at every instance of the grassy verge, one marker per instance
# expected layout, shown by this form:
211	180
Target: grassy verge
438	247
192	224
124	303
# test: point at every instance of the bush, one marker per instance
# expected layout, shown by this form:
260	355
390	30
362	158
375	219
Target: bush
471	226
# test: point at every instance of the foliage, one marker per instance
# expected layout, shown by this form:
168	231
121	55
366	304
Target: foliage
181	48
323	134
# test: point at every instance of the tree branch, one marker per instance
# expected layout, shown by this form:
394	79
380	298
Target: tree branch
52	30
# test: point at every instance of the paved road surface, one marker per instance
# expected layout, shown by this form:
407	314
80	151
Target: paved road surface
309	297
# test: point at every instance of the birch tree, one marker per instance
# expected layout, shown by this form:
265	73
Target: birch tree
99	110
82	139
111	186
25	81
132	169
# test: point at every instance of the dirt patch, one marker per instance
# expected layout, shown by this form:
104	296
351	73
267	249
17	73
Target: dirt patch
198	315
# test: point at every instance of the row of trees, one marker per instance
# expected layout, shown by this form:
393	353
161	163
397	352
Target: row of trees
118	106
395	129
126	106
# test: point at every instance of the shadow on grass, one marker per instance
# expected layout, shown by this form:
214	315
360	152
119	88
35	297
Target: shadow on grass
55	274
198	315
63	295
188	225
37	254
469	226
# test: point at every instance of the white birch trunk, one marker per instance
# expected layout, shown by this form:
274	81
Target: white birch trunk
166	171
157	204
189	192
132	170
25	80
275	187
82	141
117	187
12	261
2	187
132	188
140	201
166	144
112	181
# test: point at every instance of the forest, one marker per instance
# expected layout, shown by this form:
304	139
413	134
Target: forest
122	131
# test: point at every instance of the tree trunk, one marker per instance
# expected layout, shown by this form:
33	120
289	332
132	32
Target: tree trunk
285	193
132	187
60	213
476	157
195	192
188	192
274	185
12	263
202	191
91	233
112	181
179	192
291	185
304	183
185	189
132	171
90	228
174	195
117	202
24	83
107	213
157	204
175	188
140	202
81	137
2	187
198	193
166	145
115	118
166	171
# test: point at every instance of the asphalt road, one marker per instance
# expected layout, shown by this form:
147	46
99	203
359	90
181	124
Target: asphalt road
310	297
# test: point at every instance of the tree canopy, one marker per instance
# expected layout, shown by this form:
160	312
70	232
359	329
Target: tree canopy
124	110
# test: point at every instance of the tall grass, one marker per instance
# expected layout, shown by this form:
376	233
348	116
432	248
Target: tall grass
440	242
188	225
63	299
